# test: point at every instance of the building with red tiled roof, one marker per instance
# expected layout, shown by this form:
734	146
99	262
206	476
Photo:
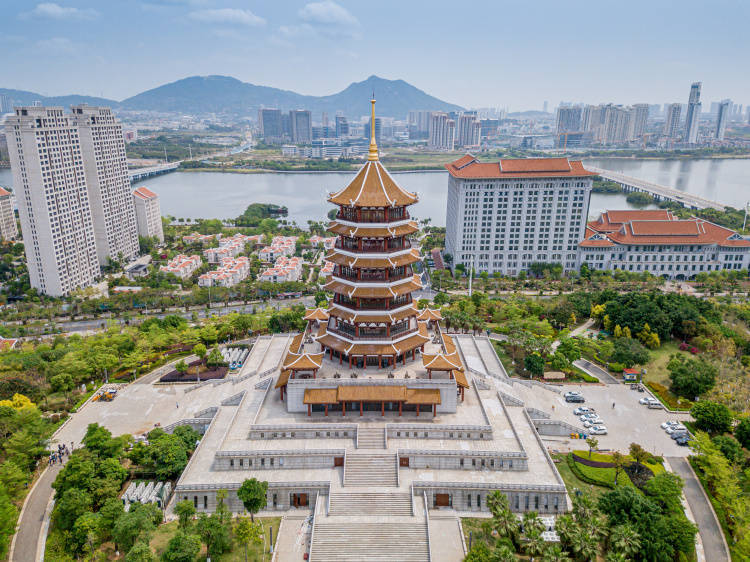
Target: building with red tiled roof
148	213
658	242
503	216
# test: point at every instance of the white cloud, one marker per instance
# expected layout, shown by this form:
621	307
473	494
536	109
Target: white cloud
55	11
327	13
56	46
227	15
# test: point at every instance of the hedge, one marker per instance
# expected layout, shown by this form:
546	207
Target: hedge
667	398
576	469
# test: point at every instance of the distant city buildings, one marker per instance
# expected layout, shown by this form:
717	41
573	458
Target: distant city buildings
503	216
672	120
271	128
49	175
721	119
6	105
693	113
442	135
469	129
148	213
342	127
8	228
301	124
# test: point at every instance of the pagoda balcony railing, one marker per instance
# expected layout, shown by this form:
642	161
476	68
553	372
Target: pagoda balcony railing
370	247
370	277
374	304
371	335
386	215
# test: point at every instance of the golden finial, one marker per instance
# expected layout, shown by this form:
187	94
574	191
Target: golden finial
373	152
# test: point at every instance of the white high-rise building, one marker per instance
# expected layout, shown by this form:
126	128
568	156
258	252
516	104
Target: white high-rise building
442	134
148	213
721	118
504	216
638	121
672	121
108	182
53	200
8	228
569	119
469	128
693	113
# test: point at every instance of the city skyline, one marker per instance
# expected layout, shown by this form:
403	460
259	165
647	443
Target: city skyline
118	50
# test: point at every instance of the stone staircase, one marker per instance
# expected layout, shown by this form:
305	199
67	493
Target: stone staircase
370	437
346	541
370	469
370	503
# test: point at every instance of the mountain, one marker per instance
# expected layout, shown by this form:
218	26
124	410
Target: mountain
224	94
22	97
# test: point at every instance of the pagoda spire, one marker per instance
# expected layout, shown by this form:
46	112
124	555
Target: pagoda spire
372	155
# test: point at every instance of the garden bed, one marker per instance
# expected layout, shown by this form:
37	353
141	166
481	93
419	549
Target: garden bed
194	375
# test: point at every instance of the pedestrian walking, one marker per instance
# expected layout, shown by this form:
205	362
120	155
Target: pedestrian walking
613	405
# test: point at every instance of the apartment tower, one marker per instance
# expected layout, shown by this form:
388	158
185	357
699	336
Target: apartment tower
53	199
108	182
442	135
693	113
148	213
672	120
721	118
8	228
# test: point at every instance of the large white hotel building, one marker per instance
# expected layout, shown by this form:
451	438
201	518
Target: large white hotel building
504	216
73	194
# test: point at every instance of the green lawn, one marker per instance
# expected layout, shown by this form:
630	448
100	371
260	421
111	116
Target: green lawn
473	525
573	483
657	367
656	468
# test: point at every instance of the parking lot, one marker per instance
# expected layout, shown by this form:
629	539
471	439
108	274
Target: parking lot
628	422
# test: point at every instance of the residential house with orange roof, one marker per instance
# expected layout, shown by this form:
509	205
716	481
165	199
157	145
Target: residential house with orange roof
285	269
503	216
182	266
228	274
662	244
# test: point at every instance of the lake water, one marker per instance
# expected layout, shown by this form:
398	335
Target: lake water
225	195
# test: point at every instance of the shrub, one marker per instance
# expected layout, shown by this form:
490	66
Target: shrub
712	417
616	367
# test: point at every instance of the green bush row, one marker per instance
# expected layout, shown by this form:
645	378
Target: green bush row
576	469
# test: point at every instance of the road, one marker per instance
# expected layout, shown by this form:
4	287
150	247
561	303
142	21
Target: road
99	323
31	524
709	528
596	371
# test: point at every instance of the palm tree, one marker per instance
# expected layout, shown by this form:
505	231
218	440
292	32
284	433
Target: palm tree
616	557
503	553
532	525
584	508
504	522
534	544
583	545
625	540
554	553
565	526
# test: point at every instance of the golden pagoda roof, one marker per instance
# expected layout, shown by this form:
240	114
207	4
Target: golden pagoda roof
441	362
303	361
385	317
320	396
430	314
384	231
319	314
373	186
354	291
460	377
423	396
402	259
296	343
283	378
448	344
371	393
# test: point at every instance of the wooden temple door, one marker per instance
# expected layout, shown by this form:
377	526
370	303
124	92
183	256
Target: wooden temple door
442	500
338	461
403	461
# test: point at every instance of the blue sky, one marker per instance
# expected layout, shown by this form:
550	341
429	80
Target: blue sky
495	53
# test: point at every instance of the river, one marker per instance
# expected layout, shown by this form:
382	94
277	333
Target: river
225	195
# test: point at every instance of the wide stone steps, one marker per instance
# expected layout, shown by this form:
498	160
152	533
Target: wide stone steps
371	542
370	503
371	438
369	469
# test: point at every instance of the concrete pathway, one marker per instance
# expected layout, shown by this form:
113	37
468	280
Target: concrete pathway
31	523
595	371
445	538
714	545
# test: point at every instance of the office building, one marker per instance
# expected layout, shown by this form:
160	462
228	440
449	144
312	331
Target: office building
591	119
342	127
568	119
657	242
271	128
301	121
616	125
721	118
6	104
108	182
693	113
8	228
503	216
148	213
442	134
672	120
638	121
469	128
53	199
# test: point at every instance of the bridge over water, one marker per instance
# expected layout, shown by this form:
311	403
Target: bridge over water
142	173
659	192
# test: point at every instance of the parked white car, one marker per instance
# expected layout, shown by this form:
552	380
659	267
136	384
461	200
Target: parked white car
669	423
679	427
588	416
582	410
598	430
593	422
645	400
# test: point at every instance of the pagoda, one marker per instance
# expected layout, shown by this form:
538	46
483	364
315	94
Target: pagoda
372	318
